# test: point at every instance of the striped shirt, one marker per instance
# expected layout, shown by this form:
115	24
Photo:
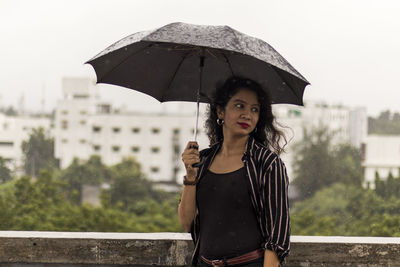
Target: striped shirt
268	186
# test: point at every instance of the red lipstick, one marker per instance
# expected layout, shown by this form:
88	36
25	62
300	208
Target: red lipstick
244	125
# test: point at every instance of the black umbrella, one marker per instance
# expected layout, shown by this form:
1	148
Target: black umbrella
185	62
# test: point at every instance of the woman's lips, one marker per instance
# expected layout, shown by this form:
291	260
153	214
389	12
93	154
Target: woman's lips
244	125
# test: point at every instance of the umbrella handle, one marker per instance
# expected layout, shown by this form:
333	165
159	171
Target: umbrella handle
198	164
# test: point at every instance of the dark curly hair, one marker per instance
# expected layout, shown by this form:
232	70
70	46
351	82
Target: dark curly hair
266	131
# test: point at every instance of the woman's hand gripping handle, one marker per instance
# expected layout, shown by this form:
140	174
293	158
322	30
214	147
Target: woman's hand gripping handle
190	158
187	206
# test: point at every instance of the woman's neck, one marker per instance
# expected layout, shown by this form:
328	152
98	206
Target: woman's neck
233	145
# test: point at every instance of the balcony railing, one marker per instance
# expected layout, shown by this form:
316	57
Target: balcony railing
174	249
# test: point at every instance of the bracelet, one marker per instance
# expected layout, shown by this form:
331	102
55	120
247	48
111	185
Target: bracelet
186	182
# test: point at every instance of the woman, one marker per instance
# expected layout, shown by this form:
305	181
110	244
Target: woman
235	202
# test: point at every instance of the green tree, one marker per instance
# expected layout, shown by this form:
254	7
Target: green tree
35	202
388	225
387	188
313	162
42	204
347	165
385	123
90	172
38	152
129	185
325	213
318	163
5	172
7	201
346	211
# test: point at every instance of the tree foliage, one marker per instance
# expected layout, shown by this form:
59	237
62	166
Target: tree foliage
385	123
344	210
5	172
389	187
44	203
78	174
318	163
130	189
38	152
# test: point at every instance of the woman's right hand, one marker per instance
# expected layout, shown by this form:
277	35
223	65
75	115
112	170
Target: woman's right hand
190	156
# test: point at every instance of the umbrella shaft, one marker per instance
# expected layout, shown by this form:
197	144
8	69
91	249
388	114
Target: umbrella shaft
197	121
198	94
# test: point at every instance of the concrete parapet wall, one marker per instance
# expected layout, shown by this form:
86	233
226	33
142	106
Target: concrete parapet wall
18	249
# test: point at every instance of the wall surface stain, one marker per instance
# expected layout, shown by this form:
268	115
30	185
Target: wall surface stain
360	250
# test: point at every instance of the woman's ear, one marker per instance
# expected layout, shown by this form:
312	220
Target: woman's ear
220	112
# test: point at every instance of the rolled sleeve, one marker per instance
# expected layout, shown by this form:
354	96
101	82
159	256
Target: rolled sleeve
277	210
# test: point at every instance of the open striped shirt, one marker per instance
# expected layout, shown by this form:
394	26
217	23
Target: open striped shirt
268	187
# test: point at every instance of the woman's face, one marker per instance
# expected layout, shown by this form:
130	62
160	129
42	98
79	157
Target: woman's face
241	113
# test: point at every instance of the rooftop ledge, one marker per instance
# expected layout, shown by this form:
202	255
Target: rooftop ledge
22	248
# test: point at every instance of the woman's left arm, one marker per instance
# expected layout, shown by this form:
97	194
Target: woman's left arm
277	213
270	259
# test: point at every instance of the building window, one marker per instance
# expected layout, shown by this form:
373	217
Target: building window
82	141
82	122
115	148
116	129
154	169
155	149
176	131
96	147
5	143
155	130
96	129
103	109
64	141
64	112
82	112
135	130
77	96
64	125
135	149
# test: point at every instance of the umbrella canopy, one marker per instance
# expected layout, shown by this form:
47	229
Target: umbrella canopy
185	62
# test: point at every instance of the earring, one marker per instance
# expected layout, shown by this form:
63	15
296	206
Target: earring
220	122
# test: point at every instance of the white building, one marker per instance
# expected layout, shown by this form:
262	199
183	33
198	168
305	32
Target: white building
348	124
13	131
382	156
86	126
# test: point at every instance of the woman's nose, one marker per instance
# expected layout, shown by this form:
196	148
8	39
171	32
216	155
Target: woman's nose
245	114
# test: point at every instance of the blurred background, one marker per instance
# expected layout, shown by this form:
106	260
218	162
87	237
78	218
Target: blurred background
76	156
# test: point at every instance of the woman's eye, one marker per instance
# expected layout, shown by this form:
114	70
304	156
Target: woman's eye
239	105
254	109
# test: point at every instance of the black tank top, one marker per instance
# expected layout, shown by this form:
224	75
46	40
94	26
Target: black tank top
228	224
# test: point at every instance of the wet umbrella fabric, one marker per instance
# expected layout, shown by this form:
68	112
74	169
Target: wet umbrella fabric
166	63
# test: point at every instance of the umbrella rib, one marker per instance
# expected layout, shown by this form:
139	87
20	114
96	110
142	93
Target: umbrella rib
173	76
284	80
122	61
229	64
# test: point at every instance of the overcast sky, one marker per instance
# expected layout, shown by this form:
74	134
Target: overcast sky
348	49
